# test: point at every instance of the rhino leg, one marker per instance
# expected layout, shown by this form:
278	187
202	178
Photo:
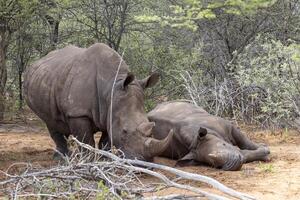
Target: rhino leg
82	129
260	154
60	142
242	141
104	141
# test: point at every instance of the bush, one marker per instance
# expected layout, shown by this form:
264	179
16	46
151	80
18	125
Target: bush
262	84
273	70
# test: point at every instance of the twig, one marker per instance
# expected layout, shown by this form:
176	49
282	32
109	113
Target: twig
92	172
172	197
111	102
183	174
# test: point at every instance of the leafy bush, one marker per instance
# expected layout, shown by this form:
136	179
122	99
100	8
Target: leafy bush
273	69
262	86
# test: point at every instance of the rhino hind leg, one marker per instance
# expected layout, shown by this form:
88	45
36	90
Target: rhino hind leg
242	141
260	154
186	163
60	142
251	151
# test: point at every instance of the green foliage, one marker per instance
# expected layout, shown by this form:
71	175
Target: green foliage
186	13
266	167
147	54
13	11
208	51
295	49
247	7
271	66
105	193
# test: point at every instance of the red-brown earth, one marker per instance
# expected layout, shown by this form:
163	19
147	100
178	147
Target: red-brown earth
277	179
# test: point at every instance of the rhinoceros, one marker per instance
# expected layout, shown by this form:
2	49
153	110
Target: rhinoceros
200	137
70	90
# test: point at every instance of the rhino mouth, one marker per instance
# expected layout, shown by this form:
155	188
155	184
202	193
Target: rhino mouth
234	162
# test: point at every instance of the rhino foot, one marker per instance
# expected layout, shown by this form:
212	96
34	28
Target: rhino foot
266	151
58	156
266	159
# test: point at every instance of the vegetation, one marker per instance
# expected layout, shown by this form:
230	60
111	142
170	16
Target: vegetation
237	58
268	168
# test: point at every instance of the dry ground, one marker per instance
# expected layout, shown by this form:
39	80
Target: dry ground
278	179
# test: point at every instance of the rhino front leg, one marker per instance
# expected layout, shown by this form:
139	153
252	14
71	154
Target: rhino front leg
82	129
104	141
260	154
60	142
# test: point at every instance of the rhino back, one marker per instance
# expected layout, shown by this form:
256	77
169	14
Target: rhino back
215	125
180	108
166	117
188	118
177	147
43	76
72	82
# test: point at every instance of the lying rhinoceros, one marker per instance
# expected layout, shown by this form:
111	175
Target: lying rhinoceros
71	91
202	137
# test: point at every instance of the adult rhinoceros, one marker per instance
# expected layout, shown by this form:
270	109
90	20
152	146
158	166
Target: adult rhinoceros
70	90
201	137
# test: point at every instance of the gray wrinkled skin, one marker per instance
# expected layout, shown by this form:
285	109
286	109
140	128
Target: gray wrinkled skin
201	137
70	90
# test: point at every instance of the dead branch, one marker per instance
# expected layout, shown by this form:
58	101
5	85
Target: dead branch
177	172
111	102
95	172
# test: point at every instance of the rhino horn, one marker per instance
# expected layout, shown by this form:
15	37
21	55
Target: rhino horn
154	147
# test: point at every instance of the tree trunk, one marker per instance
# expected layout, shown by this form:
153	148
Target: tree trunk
20	89
4	38
54	24
3	72
20	65
2	104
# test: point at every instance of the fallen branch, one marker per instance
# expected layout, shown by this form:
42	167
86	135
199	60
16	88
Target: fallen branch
111	102
101	173
180	173
172	197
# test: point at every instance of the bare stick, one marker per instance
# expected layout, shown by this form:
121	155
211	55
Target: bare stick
90	172
172	197
177	185
183	174
111	102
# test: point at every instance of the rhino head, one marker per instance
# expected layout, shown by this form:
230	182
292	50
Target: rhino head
130	126
212	150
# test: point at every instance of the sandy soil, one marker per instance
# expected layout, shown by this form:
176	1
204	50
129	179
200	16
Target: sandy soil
277	179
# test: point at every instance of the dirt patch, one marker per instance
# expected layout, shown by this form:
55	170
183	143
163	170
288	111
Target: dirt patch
36	148
277	179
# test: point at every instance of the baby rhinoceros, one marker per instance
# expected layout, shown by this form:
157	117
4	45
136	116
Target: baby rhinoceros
202	137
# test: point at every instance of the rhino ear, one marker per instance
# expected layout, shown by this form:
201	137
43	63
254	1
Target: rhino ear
130	77
202	132
149	81
185	160
146	128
